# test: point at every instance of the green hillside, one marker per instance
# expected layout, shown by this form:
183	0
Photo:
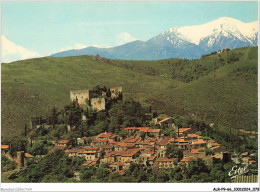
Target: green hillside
216	89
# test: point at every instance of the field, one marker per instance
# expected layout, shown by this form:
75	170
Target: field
220	89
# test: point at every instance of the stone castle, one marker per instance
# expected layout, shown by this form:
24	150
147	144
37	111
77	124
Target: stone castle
95	99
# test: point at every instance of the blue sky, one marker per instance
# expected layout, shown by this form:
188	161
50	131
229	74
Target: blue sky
43	28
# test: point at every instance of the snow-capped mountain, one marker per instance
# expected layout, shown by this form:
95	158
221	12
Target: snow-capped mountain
221	33
182	42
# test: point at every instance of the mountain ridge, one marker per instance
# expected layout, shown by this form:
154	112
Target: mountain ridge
181	42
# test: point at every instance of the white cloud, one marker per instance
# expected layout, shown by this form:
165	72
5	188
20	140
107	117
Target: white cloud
12	52
125	38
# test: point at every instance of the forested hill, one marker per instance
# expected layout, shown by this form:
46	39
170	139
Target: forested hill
218	88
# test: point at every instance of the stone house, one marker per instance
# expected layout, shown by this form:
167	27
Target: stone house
92	162
99	142
108	148
116	166
218	149
130	154
186	160
74	152
137	130
57	147
90	153
164	162
162	144
183	131
120	146
63	142
151	160
154	132
112	156
109	136
200	143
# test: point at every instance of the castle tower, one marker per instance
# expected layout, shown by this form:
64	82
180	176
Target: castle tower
20	159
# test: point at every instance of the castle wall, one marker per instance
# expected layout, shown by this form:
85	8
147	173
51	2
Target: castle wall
81	95
115	91
20	159
98	103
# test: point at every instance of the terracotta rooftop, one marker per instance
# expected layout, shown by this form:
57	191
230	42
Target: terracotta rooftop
91	148
164	141
117	163
105	135
141	129
199	141
154	130
120	144
63	141
180	140
112	142
100	141
215	144
164	159
28	155
121	172
196	151
218	146
151	158
114	153
186	159
194	135
214	156
130	152
152	139
57	147
87	152
183	130
74	150
113	136
4	146
108	147
101	149
165	119
89	163
132	139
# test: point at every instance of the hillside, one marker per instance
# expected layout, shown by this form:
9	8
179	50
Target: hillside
213	89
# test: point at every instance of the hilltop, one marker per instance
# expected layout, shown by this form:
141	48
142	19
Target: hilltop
219	88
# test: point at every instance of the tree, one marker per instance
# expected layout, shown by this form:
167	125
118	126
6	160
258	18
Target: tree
54	116
173	151
85	175
102	173
38	148
142	134
196	167
114	177
25	130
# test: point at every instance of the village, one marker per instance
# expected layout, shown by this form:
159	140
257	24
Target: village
146	146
